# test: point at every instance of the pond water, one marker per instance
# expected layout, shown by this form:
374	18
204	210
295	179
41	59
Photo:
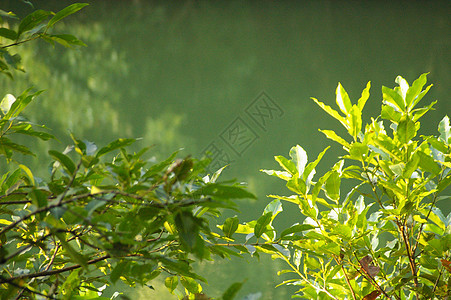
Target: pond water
193	74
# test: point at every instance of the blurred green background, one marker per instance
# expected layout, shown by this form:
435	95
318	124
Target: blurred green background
180	73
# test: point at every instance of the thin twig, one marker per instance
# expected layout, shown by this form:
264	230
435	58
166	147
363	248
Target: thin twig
348	282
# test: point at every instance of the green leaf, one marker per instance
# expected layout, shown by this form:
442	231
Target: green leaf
428	164
389	113
155	169
403	86
32	20
334	137
6	143
280	174
232	291
355	121
415	90
420	96
296	228
444	183
71	9
364	97
288	165
118	271
188	228
75	255
171	283
64	160
445	130
230	226
39	134
342	99
191	285
299	157
358	151
411	165
67	40
224	191
419	112
21	102
274	207
14	61
119	143
333	186
406	130
8	33
307	209
71	283
392	97
331	112
262	222
6	103
297	185
308	175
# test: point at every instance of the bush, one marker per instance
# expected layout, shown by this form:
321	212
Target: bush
103	214
385	235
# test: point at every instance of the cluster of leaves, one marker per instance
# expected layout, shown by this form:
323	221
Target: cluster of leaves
36	25
103	214
385	237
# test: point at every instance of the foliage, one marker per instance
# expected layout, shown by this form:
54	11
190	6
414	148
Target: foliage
384	237
103	214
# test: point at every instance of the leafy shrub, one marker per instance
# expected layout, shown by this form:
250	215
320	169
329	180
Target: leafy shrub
385	236
103	214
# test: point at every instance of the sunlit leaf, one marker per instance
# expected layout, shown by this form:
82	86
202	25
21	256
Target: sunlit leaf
334	137
419	112
393	99
190	284
411	165
415	89
333	186
364	97
288	165
71	9
403	85
224	191
299	157
296	228
331	112
342	99
280	174
445	129
389	113
420	96
7	102
428	164
406	130
274	207
171	283
310	169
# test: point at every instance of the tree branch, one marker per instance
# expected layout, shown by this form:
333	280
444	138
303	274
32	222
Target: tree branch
53	272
